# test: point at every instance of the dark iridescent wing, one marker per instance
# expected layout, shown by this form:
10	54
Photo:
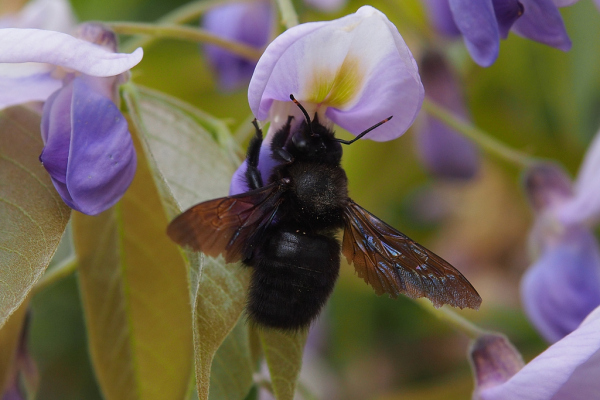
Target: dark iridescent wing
228	224
393	263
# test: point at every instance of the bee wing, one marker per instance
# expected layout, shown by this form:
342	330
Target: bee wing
228	224
393	263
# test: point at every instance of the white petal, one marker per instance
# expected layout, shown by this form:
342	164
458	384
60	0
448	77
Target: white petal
21	90
585	205
567	370
33	45
52	15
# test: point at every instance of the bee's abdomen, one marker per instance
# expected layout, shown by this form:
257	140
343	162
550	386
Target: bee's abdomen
293	279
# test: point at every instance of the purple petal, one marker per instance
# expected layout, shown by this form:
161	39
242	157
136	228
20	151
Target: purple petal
477	22
585	204
34	45
543	23
442	18
507	12
567	370
56	133
19	90
387	81
102	159
563	286
248	23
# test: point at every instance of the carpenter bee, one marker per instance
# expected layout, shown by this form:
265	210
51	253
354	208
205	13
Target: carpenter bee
286	232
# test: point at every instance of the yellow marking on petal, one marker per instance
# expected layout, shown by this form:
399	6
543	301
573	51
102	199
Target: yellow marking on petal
336	88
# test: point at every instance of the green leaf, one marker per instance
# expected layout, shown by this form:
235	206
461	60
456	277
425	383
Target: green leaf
135	295
33	215
233	367
283	352
190	167
9	340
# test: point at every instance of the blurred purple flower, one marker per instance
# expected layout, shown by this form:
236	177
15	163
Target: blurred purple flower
51	15
445	153
567	370
483	23
326	5
248	23
336	72
89	153
563	286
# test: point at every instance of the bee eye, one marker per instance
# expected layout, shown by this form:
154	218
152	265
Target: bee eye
300	141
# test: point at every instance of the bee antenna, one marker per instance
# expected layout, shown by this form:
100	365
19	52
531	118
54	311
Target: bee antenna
363	133
296	102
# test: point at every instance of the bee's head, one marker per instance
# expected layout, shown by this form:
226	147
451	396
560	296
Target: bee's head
314	137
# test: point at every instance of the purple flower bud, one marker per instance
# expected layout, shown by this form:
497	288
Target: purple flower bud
482	23
494	360
88	150
444	152
567	370
249	23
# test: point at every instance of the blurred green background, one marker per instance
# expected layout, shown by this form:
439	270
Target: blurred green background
534	98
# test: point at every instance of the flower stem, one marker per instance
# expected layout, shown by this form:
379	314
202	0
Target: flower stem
452	318
62	270
185	33
181	15
477	135
289	18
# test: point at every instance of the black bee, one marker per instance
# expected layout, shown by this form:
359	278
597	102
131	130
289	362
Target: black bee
286	231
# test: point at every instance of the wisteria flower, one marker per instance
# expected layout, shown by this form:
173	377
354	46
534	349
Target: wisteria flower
248	23
354	71
445	153
483	23
563	286
88	150
567	370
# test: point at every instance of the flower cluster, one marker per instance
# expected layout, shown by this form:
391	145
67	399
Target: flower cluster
88	149
483	23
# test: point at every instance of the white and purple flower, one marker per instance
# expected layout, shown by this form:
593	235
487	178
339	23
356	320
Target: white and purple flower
563	286
483	23
88	149
567	370
354	71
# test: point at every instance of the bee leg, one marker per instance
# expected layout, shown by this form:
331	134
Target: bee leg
280	140
253	176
